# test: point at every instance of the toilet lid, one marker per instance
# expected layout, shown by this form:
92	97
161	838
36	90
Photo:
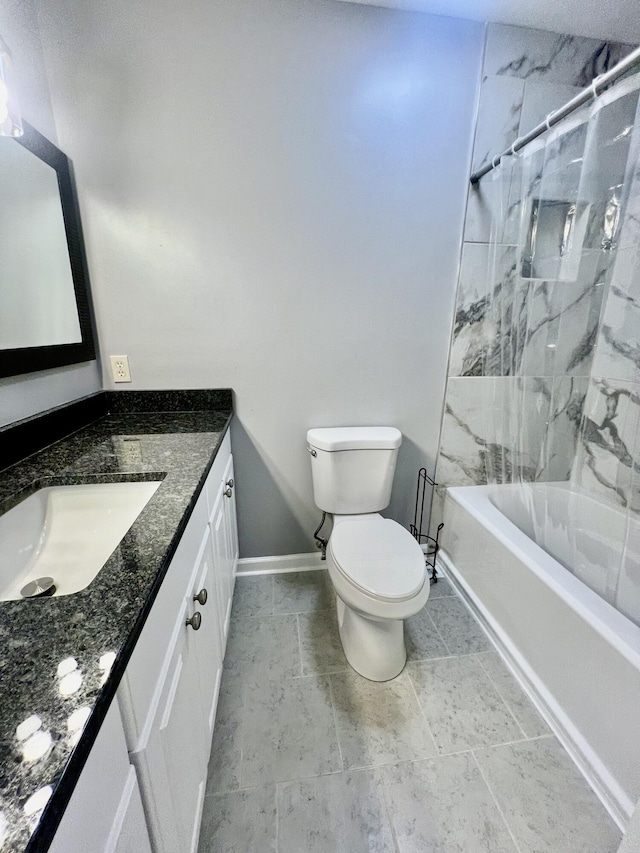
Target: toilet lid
380	557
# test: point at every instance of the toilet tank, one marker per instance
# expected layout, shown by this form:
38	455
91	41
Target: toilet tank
353	467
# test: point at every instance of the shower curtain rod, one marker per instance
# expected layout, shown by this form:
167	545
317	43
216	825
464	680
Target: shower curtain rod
598	84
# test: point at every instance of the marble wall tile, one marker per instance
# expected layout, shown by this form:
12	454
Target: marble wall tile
540	98
493	429
553	57
608	441
468	342
561	444
498	116
617	354
581	307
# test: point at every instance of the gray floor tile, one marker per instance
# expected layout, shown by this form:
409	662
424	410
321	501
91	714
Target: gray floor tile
343	813
379	723
422	638
320	644
443	806
239	822
226	749
523	710
441	588
546	802
462	707
302	592
288	732
253	596
263	647
458	628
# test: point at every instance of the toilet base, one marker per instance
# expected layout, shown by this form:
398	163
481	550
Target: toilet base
374	647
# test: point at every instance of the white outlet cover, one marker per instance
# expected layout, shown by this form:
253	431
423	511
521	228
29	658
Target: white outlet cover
120	368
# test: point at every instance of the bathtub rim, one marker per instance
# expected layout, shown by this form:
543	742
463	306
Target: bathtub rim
613	626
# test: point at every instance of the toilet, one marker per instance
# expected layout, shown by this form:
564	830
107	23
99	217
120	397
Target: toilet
377	568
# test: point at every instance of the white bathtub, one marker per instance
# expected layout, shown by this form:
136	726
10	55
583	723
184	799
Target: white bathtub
576	655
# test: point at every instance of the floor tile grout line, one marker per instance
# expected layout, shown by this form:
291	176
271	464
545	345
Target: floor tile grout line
437	630
499	692
495	800
335	720
390	814
299	647
494	745
424	716
369	767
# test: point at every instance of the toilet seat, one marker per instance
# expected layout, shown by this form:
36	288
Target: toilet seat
378	557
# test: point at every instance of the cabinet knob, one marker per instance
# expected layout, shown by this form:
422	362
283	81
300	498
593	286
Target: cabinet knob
230	483
228	492
201	597
195	621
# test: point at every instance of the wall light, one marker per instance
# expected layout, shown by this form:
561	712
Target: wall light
10	118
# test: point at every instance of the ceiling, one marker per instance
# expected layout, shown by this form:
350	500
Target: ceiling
617	20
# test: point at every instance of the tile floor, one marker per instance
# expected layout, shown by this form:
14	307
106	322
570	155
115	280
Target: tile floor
308	757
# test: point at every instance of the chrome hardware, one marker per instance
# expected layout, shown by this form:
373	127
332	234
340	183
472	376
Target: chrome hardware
38	588
312	452
195	621
228	492
230	483
201	597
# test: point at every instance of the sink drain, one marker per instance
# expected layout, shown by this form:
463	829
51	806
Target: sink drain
39	588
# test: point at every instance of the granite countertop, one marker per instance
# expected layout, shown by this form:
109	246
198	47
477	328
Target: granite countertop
94	631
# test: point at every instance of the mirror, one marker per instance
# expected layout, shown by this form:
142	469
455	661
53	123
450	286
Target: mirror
44	290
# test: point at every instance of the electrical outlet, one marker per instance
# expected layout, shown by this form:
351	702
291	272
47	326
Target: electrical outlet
120	368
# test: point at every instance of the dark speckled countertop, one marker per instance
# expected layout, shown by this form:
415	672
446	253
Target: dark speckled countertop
97	627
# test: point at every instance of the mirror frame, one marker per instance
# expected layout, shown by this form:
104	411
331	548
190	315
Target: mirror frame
14	362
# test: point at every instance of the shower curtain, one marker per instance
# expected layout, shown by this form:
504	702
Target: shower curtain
564	240
562	320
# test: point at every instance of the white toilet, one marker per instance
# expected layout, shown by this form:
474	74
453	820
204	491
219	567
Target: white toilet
377	568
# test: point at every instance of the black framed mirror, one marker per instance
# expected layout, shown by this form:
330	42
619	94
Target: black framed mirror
45	316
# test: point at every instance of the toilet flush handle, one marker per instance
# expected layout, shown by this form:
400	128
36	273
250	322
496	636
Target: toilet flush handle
312	451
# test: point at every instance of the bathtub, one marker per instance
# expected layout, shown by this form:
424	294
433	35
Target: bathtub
539	565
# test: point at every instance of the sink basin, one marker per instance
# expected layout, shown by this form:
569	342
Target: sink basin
66	533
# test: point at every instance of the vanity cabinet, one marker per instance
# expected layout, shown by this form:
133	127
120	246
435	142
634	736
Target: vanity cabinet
169	713
166	701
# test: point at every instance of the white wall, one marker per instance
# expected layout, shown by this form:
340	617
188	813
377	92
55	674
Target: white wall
273	194
22	396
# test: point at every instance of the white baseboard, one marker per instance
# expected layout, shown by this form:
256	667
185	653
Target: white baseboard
283	563
594	772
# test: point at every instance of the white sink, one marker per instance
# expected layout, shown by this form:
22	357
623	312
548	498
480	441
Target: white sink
67	533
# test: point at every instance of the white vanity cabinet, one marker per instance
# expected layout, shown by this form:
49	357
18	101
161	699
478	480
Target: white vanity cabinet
146	775
105	811
169	706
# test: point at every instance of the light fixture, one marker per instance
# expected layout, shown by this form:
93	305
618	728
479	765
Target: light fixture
10	118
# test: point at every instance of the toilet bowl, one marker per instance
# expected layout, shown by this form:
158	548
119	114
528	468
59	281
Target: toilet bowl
378	572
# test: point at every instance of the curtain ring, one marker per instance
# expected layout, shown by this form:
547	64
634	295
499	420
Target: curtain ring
594	86
495	162
546	121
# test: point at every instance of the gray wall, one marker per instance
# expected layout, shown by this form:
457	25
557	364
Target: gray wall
26	395
273	195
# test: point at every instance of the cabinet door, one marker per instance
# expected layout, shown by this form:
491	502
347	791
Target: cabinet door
230	535
172	765
208	640
218	535
129	833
